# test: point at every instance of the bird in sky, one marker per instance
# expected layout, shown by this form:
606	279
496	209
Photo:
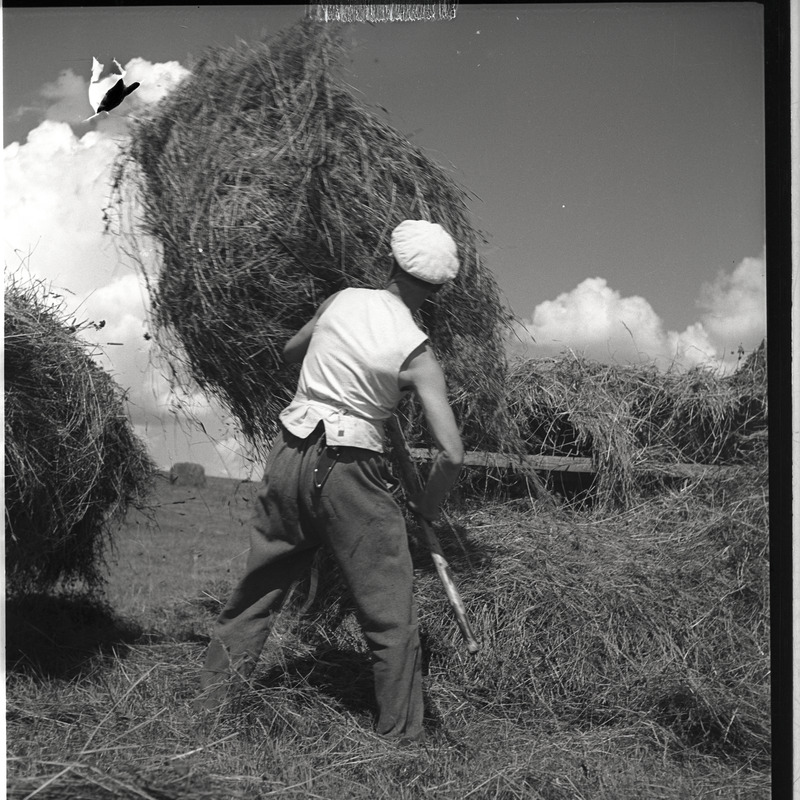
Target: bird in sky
107	93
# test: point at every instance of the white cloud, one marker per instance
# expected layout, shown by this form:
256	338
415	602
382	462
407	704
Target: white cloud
56	194
66	98
56	189
123	351
156	80
735	305
597	321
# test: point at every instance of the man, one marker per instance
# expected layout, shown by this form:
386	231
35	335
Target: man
328	483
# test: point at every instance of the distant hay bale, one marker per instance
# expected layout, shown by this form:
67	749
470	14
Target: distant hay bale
635	422
269	187
73	463
187	474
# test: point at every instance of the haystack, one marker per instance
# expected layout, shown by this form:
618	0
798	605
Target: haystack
269	187
185	473
637	422
73	462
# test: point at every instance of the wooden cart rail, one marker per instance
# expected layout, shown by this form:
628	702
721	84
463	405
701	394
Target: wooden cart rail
478	458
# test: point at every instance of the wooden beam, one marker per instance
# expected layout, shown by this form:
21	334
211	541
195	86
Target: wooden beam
477	458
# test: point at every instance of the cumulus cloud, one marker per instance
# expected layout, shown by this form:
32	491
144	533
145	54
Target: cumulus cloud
57	183
118	311
66	98
156	80
56	189
598	322
735	307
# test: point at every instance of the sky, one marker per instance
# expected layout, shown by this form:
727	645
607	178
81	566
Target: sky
614	156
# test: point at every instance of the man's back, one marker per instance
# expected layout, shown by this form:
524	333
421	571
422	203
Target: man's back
358	347
349	376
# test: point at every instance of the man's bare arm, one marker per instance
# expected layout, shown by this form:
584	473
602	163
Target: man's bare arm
425	376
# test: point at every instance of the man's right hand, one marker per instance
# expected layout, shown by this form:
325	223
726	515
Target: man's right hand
417	505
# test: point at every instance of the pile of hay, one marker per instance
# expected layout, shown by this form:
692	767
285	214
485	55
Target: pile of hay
269	187
657	616
73	462
653	622
636	422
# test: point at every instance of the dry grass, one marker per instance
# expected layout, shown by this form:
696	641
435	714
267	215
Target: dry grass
657	614
636	423
73	462
269	187
120	741
624	655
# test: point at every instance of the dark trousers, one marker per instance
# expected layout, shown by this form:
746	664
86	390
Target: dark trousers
355	514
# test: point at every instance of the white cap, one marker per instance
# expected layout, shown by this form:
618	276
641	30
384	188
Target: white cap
425	250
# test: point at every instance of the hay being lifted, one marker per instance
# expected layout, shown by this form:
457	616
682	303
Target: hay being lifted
269	187
73	462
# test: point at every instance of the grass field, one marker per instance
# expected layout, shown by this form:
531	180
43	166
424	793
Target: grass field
617	663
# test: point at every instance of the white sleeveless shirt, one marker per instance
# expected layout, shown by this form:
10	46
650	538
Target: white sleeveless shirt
349	376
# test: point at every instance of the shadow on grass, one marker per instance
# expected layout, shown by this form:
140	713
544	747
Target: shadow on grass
59	636
344	676
460	549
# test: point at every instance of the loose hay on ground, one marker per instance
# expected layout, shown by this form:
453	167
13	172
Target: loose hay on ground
659	614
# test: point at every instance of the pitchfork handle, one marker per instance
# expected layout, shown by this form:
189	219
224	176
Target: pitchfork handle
440	562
